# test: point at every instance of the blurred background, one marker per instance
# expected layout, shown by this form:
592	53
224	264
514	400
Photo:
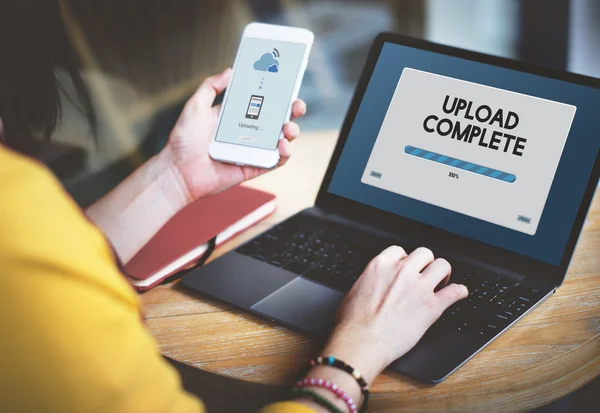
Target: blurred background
143	58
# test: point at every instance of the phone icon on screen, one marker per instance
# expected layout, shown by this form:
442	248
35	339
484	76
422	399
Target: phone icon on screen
254	106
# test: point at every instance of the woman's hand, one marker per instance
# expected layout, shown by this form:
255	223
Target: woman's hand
384	315
187	149
390	307
182	172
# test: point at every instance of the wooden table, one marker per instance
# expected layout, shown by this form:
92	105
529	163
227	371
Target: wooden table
229	357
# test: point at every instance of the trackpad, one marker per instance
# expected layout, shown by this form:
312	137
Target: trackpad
304	305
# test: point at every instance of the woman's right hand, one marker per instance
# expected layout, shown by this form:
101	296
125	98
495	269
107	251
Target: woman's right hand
384	315
390	307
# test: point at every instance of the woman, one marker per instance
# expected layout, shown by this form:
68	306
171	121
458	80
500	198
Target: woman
72	337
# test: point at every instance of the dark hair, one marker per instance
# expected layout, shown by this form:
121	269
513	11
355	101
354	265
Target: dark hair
33	46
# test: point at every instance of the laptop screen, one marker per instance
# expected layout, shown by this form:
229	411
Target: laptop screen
494	154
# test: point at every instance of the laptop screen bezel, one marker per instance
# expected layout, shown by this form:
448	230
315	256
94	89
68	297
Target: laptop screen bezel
432	236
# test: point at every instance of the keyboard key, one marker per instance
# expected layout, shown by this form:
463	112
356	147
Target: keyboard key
508	314
488	330
276	263
464	326
521	308
502	320
300	266
453	312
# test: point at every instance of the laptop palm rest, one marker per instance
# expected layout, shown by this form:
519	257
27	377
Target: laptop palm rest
303	305
237	279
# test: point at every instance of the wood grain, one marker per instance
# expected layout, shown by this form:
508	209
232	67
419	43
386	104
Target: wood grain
553	351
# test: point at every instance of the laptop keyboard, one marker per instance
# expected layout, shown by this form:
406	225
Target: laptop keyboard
493	303
336	255
320	250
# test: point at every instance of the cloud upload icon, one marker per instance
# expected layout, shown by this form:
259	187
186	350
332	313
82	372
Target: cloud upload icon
267	63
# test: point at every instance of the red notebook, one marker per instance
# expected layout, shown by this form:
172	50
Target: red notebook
184	239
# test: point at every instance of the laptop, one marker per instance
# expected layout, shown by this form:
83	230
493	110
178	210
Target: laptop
489	162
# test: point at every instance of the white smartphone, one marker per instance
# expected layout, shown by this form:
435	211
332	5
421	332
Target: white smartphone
267	74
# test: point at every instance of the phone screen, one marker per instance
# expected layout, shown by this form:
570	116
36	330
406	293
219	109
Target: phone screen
260	92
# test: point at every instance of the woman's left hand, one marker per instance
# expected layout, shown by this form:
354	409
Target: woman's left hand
187	148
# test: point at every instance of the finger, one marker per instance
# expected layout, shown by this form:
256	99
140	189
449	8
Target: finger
451	294
285	150
298	109
394	252
251	172
387	261
437	272
291	131
211	87
420	258
216	110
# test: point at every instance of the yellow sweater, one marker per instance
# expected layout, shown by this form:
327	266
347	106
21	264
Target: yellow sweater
71	335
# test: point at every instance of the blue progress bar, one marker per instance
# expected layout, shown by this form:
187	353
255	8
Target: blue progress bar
457	163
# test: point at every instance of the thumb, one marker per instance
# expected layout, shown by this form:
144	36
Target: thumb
211	87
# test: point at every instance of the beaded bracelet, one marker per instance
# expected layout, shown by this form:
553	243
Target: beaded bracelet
317	398
332	387
339	364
